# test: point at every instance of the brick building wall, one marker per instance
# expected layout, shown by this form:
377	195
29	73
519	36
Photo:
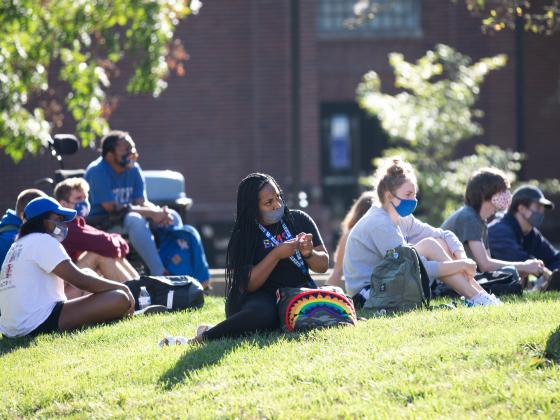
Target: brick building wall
231	113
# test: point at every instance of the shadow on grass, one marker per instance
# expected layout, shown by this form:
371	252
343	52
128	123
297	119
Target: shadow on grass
211	352
8	345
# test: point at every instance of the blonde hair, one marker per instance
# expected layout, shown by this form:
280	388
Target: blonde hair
64	188
358	209
391	174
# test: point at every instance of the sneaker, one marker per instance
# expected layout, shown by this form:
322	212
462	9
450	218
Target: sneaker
496	300
483	300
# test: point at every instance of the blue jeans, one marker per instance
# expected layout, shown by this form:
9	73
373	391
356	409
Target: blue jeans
140	236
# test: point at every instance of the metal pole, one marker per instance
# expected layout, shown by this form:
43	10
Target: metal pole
519	90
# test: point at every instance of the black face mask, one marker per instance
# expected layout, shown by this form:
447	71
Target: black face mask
125	160
536	218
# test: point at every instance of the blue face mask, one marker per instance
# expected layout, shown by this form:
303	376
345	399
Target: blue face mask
272	216
406	207
83	208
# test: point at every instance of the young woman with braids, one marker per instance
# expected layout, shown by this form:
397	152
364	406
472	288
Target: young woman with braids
271	246
390	223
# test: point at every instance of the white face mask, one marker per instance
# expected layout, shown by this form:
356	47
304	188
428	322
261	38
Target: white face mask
60	231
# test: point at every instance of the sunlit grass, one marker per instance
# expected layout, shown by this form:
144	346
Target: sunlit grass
453	363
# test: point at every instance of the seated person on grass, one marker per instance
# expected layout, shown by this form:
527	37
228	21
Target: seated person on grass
516	236
12	220
118	197
270	247
487	193
88	247
358	209
32	299
390	223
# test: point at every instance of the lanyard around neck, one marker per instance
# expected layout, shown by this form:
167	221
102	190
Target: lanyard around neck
297	259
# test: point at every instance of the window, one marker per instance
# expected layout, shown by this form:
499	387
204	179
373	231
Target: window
394	18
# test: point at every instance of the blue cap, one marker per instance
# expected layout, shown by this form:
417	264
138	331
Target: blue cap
41	205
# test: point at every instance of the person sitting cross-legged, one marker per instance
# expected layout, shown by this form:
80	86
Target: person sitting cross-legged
32	299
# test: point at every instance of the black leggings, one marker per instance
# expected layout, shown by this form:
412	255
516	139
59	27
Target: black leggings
257	312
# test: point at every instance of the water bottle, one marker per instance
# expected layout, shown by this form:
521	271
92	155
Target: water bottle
144	298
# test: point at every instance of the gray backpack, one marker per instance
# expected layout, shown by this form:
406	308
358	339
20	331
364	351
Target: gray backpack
400	282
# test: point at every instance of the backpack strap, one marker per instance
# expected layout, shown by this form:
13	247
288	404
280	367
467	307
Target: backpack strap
8	228
425	279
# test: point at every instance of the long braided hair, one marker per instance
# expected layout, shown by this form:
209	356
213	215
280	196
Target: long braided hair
245	236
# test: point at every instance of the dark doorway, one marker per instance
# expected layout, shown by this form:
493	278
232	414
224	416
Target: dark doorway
350	139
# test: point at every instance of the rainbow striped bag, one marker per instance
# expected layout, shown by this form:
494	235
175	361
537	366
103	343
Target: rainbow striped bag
301	309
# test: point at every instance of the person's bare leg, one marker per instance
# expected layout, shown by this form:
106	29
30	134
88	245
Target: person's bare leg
448	252
93	309
107	267
89	260
132	273
431	249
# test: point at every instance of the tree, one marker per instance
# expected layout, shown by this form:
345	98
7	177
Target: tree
62	54
430	116
541	17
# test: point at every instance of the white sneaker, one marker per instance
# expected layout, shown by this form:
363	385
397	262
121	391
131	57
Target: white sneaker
483	299
496	300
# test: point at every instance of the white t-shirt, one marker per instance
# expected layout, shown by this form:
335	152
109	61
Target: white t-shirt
28	288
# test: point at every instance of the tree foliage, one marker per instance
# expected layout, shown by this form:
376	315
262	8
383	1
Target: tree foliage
75	47
542	17
430	116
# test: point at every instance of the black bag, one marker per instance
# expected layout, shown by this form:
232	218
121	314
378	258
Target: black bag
499	282
174	292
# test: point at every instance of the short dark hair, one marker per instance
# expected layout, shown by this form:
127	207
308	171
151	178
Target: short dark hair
110	140
518	201
25	197
34	225
483	185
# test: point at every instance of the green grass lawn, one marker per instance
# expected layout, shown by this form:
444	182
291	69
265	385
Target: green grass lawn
469	362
